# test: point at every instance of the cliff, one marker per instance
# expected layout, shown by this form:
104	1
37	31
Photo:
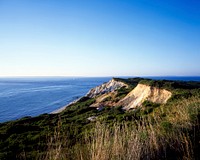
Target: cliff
106	95
144	92
110	86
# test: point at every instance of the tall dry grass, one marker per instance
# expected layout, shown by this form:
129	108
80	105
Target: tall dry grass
57	144
152	137
167	133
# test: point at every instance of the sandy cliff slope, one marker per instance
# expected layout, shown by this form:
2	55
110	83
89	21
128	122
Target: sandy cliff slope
106	95
144	92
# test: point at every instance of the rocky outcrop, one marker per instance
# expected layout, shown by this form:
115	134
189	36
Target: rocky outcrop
92	118
110	86
144	92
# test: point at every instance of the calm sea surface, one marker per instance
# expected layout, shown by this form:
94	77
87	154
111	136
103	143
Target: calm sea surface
21	97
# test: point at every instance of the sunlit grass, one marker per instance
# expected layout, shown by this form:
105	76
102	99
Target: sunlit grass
170	131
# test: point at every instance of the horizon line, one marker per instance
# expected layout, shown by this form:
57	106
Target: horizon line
45	76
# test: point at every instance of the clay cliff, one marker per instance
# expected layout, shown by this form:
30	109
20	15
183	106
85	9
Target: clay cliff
106	95
144	92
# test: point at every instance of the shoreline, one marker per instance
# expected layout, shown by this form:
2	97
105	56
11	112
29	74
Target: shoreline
64	107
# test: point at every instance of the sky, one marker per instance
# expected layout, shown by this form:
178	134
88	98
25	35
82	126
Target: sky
99	38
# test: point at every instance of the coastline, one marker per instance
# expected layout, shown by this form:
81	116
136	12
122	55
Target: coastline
64	107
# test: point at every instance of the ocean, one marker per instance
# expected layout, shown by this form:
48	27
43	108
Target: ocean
20	97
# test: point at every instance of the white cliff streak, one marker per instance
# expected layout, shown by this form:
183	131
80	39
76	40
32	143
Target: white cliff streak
110	86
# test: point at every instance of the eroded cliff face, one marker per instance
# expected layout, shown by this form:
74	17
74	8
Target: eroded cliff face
107	95
105	99
108	87
144	92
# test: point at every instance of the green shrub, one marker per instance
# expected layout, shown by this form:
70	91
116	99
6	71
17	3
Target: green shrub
167	126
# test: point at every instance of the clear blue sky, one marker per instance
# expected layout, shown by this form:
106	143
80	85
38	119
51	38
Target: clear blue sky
99	37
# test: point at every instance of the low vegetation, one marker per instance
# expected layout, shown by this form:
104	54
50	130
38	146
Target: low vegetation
152	131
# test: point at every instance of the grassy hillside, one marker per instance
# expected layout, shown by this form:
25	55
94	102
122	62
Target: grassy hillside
153	131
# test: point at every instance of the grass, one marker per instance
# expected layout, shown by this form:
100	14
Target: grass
169	132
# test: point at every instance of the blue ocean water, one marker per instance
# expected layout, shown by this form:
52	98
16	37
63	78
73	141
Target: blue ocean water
21	97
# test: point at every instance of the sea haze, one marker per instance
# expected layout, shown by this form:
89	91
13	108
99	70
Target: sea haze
21	97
